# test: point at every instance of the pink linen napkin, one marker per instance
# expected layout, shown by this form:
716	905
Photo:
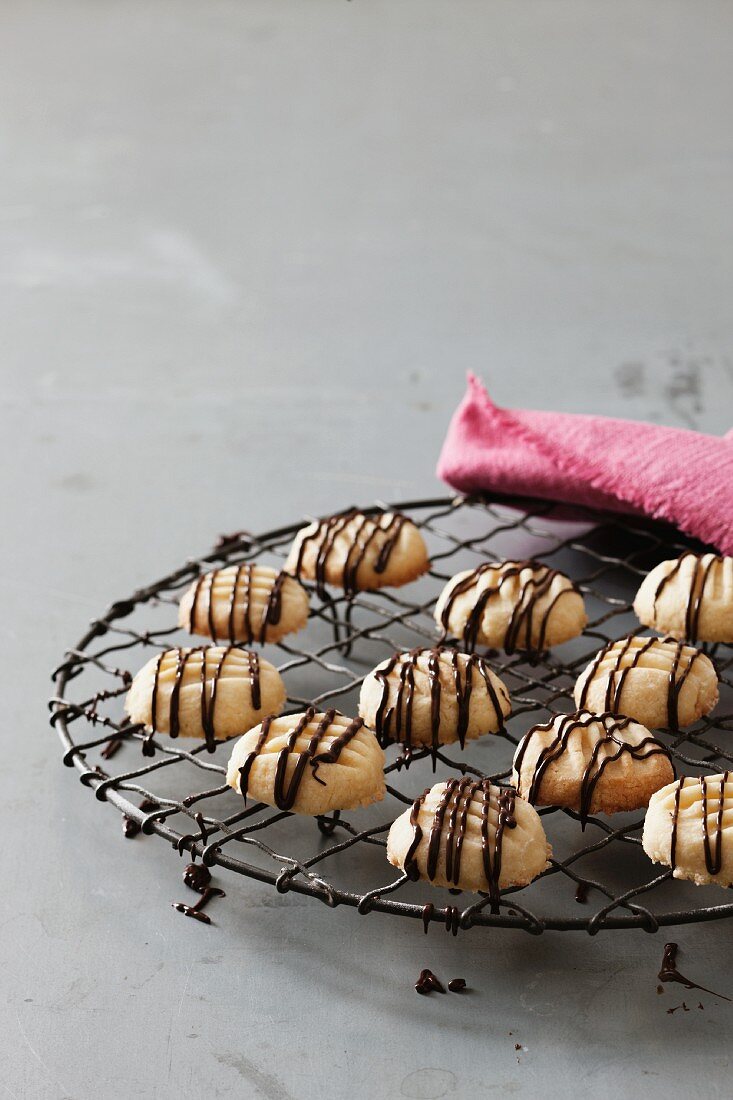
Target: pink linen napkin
672	474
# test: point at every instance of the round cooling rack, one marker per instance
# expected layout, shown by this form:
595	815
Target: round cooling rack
599	877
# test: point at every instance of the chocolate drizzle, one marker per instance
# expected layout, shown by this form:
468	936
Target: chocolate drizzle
211	669
607	750
449	827
286	791
618	672
670	973
712	845
240	626
525	617
367	532
394	723
699	576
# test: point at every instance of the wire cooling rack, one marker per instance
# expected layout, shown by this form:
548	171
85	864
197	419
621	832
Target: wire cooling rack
599	877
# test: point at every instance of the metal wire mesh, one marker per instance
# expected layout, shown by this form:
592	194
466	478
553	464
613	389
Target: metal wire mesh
342	861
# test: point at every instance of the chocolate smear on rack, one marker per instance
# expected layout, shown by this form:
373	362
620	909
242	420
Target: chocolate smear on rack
581	894
130	827
670	973
427	914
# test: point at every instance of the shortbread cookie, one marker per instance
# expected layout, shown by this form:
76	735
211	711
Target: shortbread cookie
210	691
433	697
244	603
309	763
657	681
472	835
690	598
511	605
591	763
354	552
689	827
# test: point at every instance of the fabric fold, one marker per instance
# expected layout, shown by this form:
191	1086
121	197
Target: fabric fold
673	474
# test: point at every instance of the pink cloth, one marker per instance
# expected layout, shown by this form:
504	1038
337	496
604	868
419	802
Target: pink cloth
672	474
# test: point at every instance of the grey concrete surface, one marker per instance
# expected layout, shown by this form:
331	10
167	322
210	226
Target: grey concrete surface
247	251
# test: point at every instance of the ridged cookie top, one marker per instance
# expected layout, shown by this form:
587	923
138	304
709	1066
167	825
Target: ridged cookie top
436	692
356	551
468	821
584	747
614	668
690	597
700	811
282	755
512	604
244	603
191	685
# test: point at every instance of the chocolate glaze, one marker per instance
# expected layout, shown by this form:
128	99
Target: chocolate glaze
210	662
670	973
457	985
394	723
678	675
285	794
698	580
713	845
367	533
522	621
240	627
607	750
449	827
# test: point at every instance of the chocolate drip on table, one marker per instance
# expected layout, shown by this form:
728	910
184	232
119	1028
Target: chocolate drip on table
450	823
427	982
599	758
284	793
712	845
246	630
208	698
698	580
394	723
198	877
365	535
615	683
670	973
521	624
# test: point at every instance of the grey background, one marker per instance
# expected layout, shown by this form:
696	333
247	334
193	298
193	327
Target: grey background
247	252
